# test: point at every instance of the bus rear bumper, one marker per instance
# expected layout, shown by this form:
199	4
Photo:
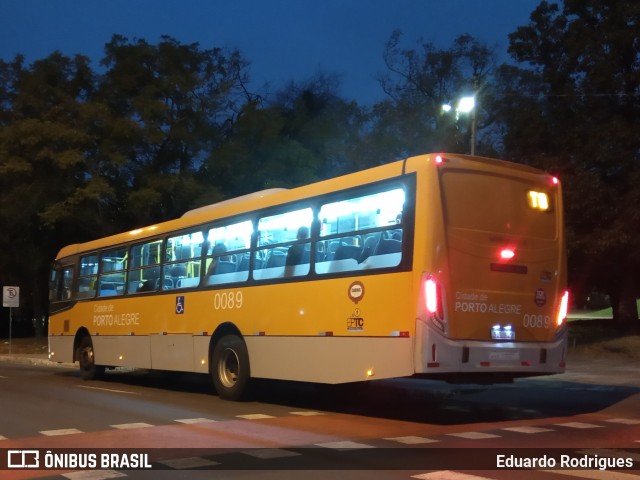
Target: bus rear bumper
442	357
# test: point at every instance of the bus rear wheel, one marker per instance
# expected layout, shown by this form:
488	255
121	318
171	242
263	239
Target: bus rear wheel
88	368
230	368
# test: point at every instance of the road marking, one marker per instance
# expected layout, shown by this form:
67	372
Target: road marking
2	376
93	475
578	425
2	438
188	463
63	431
474	435
307	414
126	426
269	453
623	421
448	475
527	429
411	440
595	474
345	445
107	390
255	416
190	421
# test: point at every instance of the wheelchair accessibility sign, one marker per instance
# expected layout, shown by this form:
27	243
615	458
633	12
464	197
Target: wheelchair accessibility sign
180	305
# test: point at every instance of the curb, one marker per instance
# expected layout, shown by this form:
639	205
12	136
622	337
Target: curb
41	360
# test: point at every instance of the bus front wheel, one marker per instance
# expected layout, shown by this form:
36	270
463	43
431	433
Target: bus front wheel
230	367
88	368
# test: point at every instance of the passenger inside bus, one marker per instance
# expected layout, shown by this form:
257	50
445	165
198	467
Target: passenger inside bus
295	253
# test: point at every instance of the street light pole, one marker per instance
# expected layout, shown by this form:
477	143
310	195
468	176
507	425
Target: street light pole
473	116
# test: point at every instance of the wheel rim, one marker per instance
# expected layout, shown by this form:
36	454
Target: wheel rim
228	368
86	357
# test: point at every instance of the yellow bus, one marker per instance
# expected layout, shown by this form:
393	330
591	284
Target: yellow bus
443	266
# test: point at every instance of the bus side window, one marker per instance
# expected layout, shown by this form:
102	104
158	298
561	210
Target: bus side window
362	232
283	245
182	261
88	276
144	269
61	284
227	258
113	276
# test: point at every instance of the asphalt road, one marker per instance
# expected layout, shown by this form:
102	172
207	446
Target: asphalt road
387	429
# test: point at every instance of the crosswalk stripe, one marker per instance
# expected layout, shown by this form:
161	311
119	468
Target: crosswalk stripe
526	429
448	475
62	431
188	463
596	474
578	425
344	445
412	440
473	435
126	426
269	453
623	421
190	421
255	416
93	475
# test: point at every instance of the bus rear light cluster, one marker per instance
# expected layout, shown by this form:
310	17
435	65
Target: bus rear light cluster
563	310
434	304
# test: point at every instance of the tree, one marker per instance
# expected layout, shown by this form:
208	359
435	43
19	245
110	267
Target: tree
306	133
48	192
418	82
578	114
180	102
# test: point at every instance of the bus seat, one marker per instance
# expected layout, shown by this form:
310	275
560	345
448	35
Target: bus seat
347	251
388	245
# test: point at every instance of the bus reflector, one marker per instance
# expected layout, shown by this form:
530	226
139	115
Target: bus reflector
564	308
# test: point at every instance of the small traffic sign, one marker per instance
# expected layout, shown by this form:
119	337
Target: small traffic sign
11	297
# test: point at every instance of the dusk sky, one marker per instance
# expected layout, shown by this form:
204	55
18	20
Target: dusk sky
283	40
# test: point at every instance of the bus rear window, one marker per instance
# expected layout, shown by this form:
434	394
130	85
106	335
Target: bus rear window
497	204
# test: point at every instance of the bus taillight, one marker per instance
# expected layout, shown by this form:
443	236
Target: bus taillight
564	308
433	299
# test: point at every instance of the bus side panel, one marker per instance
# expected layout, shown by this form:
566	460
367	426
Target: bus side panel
330	359
172	352
122	351
61	348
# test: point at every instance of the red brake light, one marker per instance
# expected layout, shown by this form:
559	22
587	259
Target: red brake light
431	295
563	310
439	159
507	253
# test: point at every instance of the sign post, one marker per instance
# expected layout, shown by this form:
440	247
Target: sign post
11	299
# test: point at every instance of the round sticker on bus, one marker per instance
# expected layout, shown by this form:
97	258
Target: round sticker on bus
356	291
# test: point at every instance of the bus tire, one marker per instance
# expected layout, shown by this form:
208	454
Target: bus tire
230	367
85	355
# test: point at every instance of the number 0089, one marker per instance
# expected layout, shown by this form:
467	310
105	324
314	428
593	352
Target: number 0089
228	300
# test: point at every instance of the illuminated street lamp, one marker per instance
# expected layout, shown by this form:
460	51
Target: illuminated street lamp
466	105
